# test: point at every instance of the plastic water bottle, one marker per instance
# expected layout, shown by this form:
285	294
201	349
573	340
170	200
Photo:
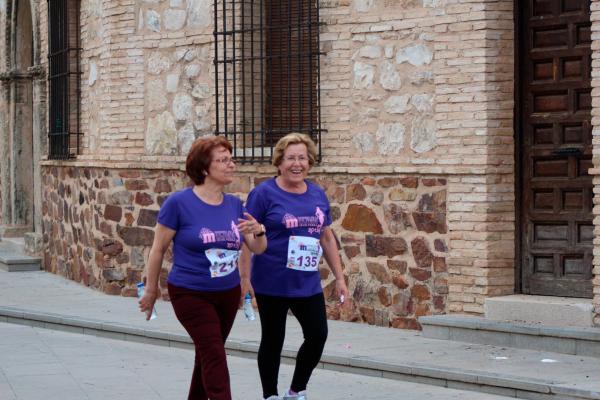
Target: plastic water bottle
248	310
140	292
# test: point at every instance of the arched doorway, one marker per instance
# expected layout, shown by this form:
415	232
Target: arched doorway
23	124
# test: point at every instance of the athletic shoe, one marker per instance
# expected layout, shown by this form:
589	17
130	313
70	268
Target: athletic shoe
298	396
274	398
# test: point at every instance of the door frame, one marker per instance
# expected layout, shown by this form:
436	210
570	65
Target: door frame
518	142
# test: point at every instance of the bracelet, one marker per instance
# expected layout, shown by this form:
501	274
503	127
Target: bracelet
262	232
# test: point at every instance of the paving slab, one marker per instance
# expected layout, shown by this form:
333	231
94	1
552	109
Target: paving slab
118	370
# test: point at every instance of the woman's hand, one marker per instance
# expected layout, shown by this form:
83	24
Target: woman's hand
147	302
246	288
249	225
341	290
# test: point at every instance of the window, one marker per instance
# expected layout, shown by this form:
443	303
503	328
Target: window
64	79
266	73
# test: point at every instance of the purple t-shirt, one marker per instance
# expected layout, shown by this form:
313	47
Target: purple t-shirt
286	214
203	230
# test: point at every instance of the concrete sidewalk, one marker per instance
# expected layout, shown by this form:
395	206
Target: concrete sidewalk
45	300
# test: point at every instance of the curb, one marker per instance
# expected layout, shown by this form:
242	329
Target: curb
499	384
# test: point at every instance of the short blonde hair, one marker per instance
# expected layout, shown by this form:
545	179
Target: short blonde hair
294	138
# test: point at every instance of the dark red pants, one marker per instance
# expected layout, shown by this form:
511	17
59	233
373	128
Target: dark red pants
208	318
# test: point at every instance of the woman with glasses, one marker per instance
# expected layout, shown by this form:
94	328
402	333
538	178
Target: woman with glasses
208	229
286	276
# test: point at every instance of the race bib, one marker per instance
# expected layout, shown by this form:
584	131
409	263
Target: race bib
222	262
304	253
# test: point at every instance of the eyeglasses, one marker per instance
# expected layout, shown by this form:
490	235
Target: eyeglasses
224	160
300	159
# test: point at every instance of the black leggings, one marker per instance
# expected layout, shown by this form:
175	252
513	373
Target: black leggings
310	312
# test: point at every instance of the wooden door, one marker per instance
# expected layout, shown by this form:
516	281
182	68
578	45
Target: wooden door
556	147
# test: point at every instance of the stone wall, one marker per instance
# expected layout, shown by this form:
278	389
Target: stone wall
98	229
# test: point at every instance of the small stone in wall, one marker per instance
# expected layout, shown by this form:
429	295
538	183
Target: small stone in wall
147	217
397	104
396	218
120	196
201	91
397	194
389	51
157	63
388	76
420	77
161	135
363	5
363	142
377	198
153	20
143	199
359	218
200	13
182	107
155	95
390	138
93	75
440	246
174	19
421	253
433	202
373	52
202	120
423	137
434	3
134	236
355	191
379	272
192	70
420	292
172	83
430	222
389	246
113	213
176	3
417	55
363	75
439	264
422	103
397	265
185	138
384	296
137	257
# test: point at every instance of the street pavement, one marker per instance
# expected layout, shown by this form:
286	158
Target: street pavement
47	300
42	364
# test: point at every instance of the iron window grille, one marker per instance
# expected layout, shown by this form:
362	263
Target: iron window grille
64	79
266	73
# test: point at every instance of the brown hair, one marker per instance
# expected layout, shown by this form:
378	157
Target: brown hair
198	159
294	138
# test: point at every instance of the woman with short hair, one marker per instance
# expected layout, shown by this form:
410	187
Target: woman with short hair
286	276
208	229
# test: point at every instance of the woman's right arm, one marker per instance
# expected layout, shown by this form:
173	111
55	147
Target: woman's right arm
245	266
162	239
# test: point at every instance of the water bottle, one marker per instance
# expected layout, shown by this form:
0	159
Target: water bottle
248	310
140	293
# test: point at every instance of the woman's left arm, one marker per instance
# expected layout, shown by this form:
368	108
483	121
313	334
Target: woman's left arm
332	256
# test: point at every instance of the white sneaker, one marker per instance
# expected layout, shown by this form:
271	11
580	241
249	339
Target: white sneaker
299	396
274	398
